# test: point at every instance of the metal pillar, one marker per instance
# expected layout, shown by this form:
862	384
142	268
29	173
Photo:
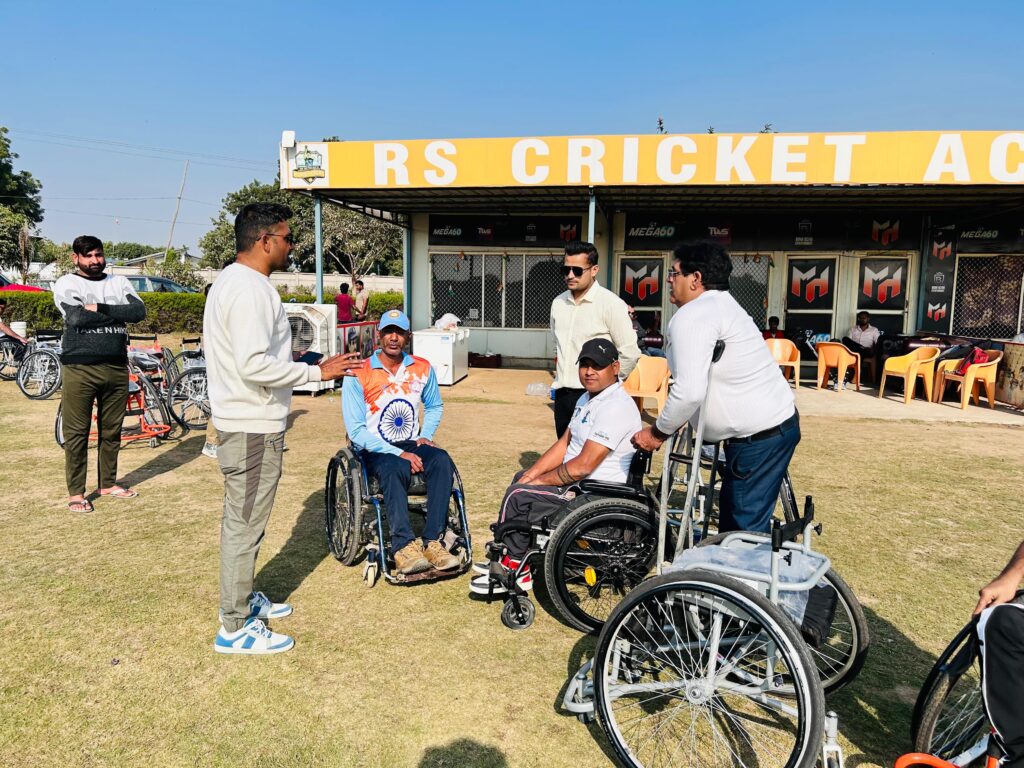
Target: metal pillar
319	230
591	216
407	269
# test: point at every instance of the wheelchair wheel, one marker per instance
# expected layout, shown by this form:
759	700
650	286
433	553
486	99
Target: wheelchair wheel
595	556
156	415
188	399
58	427
11	353
39	374
518	618
688	671
841	657
950	711
343	507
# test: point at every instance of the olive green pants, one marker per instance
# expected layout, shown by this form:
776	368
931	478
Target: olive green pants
82	385
251	465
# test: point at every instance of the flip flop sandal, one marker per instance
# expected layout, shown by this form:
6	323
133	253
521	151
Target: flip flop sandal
82	505
120	493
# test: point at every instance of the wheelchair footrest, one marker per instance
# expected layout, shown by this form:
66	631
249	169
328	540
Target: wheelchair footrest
432	575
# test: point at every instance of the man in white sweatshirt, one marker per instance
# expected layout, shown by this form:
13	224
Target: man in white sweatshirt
248	346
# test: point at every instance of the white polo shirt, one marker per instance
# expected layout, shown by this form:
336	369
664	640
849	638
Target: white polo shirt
610	419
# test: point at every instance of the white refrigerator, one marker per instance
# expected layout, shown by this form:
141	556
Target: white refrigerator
447	352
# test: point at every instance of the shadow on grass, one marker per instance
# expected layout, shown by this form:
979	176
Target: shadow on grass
302	553
528	458
582	652
294	415
180	454
463	753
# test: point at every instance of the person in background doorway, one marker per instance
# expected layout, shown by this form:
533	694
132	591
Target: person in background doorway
346	305
649	340
773	331
362	300
863	337
585	311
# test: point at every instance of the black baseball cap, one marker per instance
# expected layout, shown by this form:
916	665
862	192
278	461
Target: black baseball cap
601	351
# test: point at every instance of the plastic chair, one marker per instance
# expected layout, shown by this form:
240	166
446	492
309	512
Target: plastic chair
648	379
978	374
786	355
832	354
919	363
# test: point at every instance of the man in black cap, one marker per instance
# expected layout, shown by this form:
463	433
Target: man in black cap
596	445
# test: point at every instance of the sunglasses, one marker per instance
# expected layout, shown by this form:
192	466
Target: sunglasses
574	271
289	238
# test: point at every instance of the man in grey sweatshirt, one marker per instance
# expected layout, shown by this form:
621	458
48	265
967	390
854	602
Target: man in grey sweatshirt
94	367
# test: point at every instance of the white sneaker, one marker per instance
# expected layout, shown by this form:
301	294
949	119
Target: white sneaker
210	450
481	585
262	607
253	638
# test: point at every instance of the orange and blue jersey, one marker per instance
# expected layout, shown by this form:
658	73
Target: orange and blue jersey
381	408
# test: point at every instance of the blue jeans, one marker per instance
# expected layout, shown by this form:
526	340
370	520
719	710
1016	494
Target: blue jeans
394	474
752	476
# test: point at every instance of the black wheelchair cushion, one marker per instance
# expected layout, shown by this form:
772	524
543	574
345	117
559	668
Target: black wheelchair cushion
417	485
618	490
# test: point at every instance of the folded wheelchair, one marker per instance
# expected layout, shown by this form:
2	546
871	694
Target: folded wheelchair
356	520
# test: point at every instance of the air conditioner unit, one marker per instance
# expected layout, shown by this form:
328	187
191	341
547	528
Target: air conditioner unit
314	329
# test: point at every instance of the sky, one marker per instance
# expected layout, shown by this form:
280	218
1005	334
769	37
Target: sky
106	101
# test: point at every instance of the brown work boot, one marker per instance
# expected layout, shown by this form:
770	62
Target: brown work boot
440	557
410	559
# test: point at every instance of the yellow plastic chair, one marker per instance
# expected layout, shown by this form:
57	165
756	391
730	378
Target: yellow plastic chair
920	363
648	379
978	375
786	355
832	354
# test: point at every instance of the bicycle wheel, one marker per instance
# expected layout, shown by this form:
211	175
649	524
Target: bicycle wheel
595	556
343	507
156	415
39	374
687	672
189	400
951	711
11	353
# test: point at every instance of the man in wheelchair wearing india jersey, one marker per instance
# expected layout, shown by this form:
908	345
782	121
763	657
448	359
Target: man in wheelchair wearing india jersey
596	445
380	405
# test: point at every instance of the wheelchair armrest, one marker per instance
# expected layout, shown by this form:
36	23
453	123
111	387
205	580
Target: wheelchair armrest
500	529
604	488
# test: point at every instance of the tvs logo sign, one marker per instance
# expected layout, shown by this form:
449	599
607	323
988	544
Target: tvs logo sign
937	312
639	284
880	286
808	284
941	251
886	232
567	232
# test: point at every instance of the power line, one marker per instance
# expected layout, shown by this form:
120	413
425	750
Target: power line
129	218
128	145
51	197
252	167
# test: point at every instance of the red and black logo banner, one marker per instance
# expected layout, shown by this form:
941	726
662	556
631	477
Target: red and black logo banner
882	284
811	283
939	268
640	282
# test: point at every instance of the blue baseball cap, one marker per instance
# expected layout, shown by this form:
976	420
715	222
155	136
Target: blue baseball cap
395	317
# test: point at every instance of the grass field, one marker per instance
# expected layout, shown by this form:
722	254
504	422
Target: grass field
108	619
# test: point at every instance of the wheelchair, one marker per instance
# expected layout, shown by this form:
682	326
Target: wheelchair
595	550
355	520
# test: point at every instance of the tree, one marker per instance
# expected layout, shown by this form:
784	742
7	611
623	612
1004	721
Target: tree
353	243
19	192
15	246
119	253
175	268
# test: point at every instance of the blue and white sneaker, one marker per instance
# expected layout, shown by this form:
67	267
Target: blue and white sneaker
253	638
262	607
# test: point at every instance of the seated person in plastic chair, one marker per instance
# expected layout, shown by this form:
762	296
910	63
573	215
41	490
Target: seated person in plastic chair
381	409
596	445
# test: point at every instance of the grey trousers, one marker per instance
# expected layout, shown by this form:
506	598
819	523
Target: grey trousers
251	465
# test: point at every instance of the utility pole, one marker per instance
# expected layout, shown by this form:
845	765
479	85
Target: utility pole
177	207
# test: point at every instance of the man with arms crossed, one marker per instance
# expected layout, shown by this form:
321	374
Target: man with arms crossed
595	445
586	311
94	367
751	407
248	346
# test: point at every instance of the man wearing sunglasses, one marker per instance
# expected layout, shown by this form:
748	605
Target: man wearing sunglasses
251	373
751	408
585	311
596	445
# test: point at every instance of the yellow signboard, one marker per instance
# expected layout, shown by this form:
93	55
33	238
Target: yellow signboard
915	157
